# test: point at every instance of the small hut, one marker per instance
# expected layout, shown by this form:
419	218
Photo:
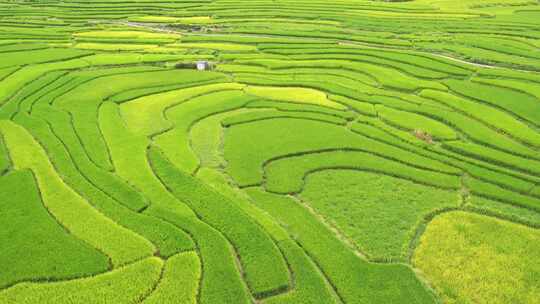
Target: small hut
203	65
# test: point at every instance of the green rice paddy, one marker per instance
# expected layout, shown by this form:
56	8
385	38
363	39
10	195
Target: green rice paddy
339	152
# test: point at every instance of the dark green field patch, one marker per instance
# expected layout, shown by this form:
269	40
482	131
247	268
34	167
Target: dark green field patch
44	250
263	265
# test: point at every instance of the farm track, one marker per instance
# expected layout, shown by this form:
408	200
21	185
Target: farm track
198	187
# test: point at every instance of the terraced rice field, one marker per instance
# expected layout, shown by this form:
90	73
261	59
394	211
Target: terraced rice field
342	152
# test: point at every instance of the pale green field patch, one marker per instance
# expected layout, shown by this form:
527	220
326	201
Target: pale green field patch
294	94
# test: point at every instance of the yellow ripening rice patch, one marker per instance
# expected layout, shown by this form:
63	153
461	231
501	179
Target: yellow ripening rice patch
214	46
115	46
196	20
126	34
124	285
294	94
472	258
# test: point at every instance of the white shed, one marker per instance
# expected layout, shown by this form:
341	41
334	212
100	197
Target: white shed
203	65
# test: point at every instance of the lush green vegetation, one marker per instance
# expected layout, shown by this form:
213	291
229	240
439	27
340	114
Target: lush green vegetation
391	208
353	151
23	257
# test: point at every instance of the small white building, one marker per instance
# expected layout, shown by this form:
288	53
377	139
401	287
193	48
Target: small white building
203	65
